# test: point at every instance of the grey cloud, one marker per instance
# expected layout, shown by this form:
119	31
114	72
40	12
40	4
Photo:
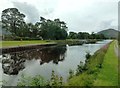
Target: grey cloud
79	17
95	16
119	15
29	10
107	24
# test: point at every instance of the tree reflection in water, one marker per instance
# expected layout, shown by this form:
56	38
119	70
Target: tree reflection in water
12	63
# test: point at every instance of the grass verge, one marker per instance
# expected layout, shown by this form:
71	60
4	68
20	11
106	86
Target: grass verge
102	69
22	43
29	42
108	75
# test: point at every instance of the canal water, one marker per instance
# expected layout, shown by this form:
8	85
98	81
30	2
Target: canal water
41	62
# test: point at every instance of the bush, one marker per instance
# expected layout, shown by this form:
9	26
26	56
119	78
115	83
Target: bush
99	65
55	80
88	56
39	81
80	68
71	74
8	37
31	81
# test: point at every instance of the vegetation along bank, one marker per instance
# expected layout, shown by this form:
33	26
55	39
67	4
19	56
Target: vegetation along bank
101	69
95	72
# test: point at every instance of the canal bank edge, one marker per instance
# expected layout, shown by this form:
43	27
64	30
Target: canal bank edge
90	77
49	43
25	47
108	75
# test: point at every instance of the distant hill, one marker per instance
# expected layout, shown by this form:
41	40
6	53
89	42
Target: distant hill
109	33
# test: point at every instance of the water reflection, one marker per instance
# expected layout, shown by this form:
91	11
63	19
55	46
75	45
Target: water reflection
12	63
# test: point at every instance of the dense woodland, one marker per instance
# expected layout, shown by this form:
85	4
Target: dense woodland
14	22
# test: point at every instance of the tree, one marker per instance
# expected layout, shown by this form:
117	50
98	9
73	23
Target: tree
60	30
83	35
100	36
72	35
12	20
92	36
37	30
21	32
53	29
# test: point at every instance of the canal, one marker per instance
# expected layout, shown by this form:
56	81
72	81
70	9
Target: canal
41	62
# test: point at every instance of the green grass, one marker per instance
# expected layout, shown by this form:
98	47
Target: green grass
108	75
95	76
119	71
87	77
29	42
22	43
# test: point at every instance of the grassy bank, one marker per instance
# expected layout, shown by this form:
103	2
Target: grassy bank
21	43
101	69
29	42
119	62
119	71
108	75
70	42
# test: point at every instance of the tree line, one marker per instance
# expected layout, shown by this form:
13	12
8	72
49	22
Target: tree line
14	22
85	35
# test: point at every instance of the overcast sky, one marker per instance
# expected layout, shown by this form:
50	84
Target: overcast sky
80	15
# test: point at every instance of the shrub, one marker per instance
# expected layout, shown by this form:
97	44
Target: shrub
39	80
88	56
55	80
71	74
31	81
80	68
